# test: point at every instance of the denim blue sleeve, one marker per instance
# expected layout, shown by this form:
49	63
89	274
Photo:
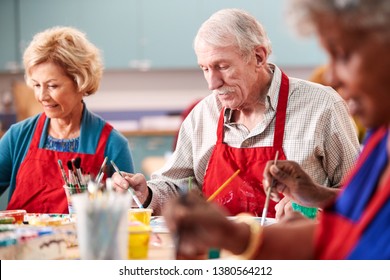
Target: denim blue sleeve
118	150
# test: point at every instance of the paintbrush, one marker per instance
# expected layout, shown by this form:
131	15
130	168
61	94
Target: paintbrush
72	181
130	190
63	173
77	165
76	182
190	183
100	174
265	209
211	197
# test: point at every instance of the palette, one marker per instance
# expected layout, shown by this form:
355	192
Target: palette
18	215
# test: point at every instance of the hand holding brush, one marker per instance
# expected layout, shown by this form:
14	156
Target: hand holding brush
130	190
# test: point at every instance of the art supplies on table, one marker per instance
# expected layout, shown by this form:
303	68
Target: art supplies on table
102	225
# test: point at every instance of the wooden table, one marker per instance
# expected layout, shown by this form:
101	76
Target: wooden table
161	245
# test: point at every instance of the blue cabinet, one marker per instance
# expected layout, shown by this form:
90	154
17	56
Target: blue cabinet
287	49
144	34
9	59
110	25
150	144
167	30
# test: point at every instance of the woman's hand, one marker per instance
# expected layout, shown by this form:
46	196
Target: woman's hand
135	181
289	179
199	225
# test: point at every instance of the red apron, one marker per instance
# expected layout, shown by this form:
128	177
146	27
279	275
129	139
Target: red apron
39	184
245	192
336	236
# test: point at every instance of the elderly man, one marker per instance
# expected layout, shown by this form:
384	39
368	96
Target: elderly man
253	112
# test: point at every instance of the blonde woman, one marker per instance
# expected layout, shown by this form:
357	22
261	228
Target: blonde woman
63	68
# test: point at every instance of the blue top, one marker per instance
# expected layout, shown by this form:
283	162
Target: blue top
357	225
15	143
62	145
374	242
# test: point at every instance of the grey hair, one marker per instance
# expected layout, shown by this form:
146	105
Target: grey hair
353	14
234	27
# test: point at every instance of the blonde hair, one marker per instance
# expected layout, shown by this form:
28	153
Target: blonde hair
70	49
235	27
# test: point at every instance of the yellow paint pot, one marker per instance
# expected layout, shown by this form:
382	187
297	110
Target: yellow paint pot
139	236
142	215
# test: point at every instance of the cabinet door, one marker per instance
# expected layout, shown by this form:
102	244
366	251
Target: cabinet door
287	49
110	25
9	60
143	34
167	31
146	146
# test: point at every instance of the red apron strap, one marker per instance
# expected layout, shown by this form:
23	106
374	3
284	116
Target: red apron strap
38	132
281	112
101	146
280	116
343	246
220	128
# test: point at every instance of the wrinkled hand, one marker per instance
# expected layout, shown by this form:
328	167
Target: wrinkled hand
292	182
283	208
200	225
285	212
135	181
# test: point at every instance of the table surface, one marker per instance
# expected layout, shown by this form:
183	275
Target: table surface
161	244
161	247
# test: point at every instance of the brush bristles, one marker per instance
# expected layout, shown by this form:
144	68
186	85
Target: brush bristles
69	164
77	162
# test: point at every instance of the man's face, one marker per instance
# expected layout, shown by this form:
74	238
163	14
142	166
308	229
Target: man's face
228	75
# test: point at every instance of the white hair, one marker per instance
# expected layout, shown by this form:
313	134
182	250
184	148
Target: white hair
233	27
370	15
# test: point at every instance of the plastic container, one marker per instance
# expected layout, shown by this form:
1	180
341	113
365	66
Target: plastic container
18	215
142	215
70	191
139	237
7	220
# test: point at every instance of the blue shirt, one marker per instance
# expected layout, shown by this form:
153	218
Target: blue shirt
16	142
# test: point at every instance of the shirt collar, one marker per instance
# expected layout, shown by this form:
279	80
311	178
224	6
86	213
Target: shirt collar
273	92
272	95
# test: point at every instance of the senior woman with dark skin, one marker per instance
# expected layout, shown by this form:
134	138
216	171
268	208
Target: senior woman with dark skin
354	221
62	67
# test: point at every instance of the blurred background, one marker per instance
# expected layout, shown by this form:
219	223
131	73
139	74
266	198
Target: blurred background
151	74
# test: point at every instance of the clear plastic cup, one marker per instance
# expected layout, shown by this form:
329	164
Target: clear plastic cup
138	240
102	226
142	215
70	191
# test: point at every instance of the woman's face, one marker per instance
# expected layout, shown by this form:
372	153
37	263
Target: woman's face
56	91
359	65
